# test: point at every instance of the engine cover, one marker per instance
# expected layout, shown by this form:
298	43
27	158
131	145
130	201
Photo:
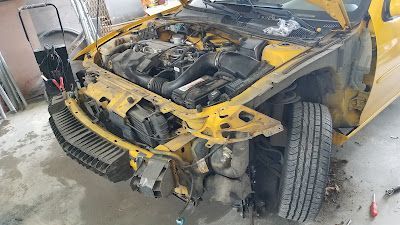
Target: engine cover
193	73
148	58
154	46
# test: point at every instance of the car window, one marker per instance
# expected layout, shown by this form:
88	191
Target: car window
350	5
386	16
356	9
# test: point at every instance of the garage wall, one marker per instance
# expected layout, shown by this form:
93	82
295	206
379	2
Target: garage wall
17	51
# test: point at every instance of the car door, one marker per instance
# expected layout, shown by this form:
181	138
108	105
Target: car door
385	22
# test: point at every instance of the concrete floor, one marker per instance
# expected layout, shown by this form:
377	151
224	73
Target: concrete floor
39	184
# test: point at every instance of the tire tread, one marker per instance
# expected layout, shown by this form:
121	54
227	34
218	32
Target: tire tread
307	162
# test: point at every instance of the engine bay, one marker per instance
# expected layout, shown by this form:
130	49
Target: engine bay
167	93
193	66
198	110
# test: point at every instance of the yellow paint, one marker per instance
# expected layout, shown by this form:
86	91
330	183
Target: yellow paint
395	8
338	138
182	190
132	162
386	86
118	101
216	40
184	2
279	53
214	123
177	143
336	9
208	124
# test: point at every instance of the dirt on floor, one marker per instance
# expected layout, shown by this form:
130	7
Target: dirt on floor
41	185
3	127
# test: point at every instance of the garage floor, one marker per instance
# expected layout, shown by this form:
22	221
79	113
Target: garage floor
40	185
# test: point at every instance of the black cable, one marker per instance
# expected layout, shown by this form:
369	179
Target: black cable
189	196
54	56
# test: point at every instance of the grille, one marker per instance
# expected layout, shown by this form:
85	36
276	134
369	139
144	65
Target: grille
88	148
303	33
332	25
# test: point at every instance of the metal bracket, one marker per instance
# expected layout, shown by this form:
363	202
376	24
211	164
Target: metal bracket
154	178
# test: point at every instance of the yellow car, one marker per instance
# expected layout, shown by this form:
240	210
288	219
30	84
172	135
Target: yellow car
233	101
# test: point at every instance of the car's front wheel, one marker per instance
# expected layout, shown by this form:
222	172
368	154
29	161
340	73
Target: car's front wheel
306	161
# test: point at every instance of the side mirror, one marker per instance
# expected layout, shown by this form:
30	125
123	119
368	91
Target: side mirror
395	8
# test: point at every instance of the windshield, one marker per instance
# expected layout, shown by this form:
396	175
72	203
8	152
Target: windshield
351	5
302	8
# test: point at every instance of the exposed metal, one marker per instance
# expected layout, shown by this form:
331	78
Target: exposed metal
7	100
85	20
10	86
154	178
2	113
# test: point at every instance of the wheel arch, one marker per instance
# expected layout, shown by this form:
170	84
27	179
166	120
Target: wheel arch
334	76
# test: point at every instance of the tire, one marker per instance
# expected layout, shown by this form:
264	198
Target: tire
306	161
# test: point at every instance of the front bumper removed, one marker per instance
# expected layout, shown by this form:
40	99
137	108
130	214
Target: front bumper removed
88	148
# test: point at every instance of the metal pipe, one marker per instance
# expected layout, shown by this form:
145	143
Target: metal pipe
7	100
88	18
8	86
92	27
84	20
2	113
13	83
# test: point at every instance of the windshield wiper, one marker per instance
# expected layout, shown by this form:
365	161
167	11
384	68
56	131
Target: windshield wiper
265	5
223	8
275	9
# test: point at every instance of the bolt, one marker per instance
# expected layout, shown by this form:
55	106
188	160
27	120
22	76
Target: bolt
131	100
